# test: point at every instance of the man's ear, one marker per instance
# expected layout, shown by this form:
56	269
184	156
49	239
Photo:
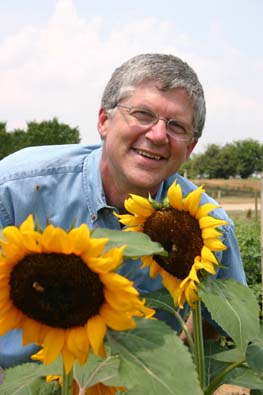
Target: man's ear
190	148
103	119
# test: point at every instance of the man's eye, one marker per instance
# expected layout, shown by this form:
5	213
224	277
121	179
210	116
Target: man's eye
143	116
175	127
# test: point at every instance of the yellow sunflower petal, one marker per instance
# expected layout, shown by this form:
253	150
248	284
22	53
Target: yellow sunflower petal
171	283
115	320
53	344
79	237
208	266
208	255
208	222
96	329
122	301
28	224
147	261
192	200
32	332
68	359
13	235
154	269
139	206
215	244
13	321
175	196
109	261
114	281
130	220
191	293
205	209
210	233
94	248
193	274
48	240
77	342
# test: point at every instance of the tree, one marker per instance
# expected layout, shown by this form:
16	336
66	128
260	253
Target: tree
5	144
43	133
227	162
51	132
240	158
206	165
250	157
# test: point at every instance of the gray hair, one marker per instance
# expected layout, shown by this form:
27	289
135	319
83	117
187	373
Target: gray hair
167	70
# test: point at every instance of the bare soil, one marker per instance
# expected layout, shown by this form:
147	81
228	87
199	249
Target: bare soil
228	389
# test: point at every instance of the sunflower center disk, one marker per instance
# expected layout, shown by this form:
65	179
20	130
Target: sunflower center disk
56	289
179	233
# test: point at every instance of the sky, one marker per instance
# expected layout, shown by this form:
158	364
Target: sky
57	55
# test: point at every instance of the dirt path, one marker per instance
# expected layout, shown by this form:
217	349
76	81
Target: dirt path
238	206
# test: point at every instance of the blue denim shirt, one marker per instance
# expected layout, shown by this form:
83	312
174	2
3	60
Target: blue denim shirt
62	184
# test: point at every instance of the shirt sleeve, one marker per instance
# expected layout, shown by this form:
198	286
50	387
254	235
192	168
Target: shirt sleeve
231	265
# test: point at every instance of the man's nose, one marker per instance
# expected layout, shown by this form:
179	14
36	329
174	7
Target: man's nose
157	133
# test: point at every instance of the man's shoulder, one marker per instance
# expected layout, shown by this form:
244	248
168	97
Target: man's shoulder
33	160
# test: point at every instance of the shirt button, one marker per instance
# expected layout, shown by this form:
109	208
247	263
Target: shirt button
93	217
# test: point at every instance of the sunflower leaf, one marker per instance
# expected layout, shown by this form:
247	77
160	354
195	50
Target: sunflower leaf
149	362
137	243
244	377
254	356
97	370
234	307
21	380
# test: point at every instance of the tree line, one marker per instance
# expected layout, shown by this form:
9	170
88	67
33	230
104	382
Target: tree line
243	158
37	133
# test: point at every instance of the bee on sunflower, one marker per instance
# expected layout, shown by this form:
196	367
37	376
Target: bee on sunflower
186	231
61	289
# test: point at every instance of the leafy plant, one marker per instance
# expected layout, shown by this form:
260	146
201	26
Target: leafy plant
248	235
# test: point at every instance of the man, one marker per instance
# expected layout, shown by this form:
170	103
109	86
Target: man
151	117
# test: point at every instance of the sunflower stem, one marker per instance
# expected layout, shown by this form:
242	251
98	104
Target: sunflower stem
67	382
186	331
199	344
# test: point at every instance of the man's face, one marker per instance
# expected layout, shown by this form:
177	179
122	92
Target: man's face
137	158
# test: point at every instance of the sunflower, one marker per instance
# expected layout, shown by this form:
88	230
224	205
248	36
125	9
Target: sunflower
186	231
60	288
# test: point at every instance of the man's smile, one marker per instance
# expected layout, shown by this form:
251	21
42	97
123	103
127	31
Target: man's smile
148	154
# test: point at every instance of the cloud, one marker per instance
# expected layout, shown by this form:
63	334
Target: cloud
60	69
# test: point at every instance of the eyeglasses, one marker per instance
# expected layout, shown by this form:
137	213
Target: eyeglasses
174	128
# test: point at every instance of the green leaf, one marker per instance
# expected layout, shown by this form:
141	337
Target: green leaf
21	380
97	370
254	356
49	388
28	379
234	307
232	355
137	243
154	360
244	377
213	367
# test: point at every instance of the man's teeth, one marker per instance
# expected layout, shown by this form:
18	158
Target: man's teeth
148	155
